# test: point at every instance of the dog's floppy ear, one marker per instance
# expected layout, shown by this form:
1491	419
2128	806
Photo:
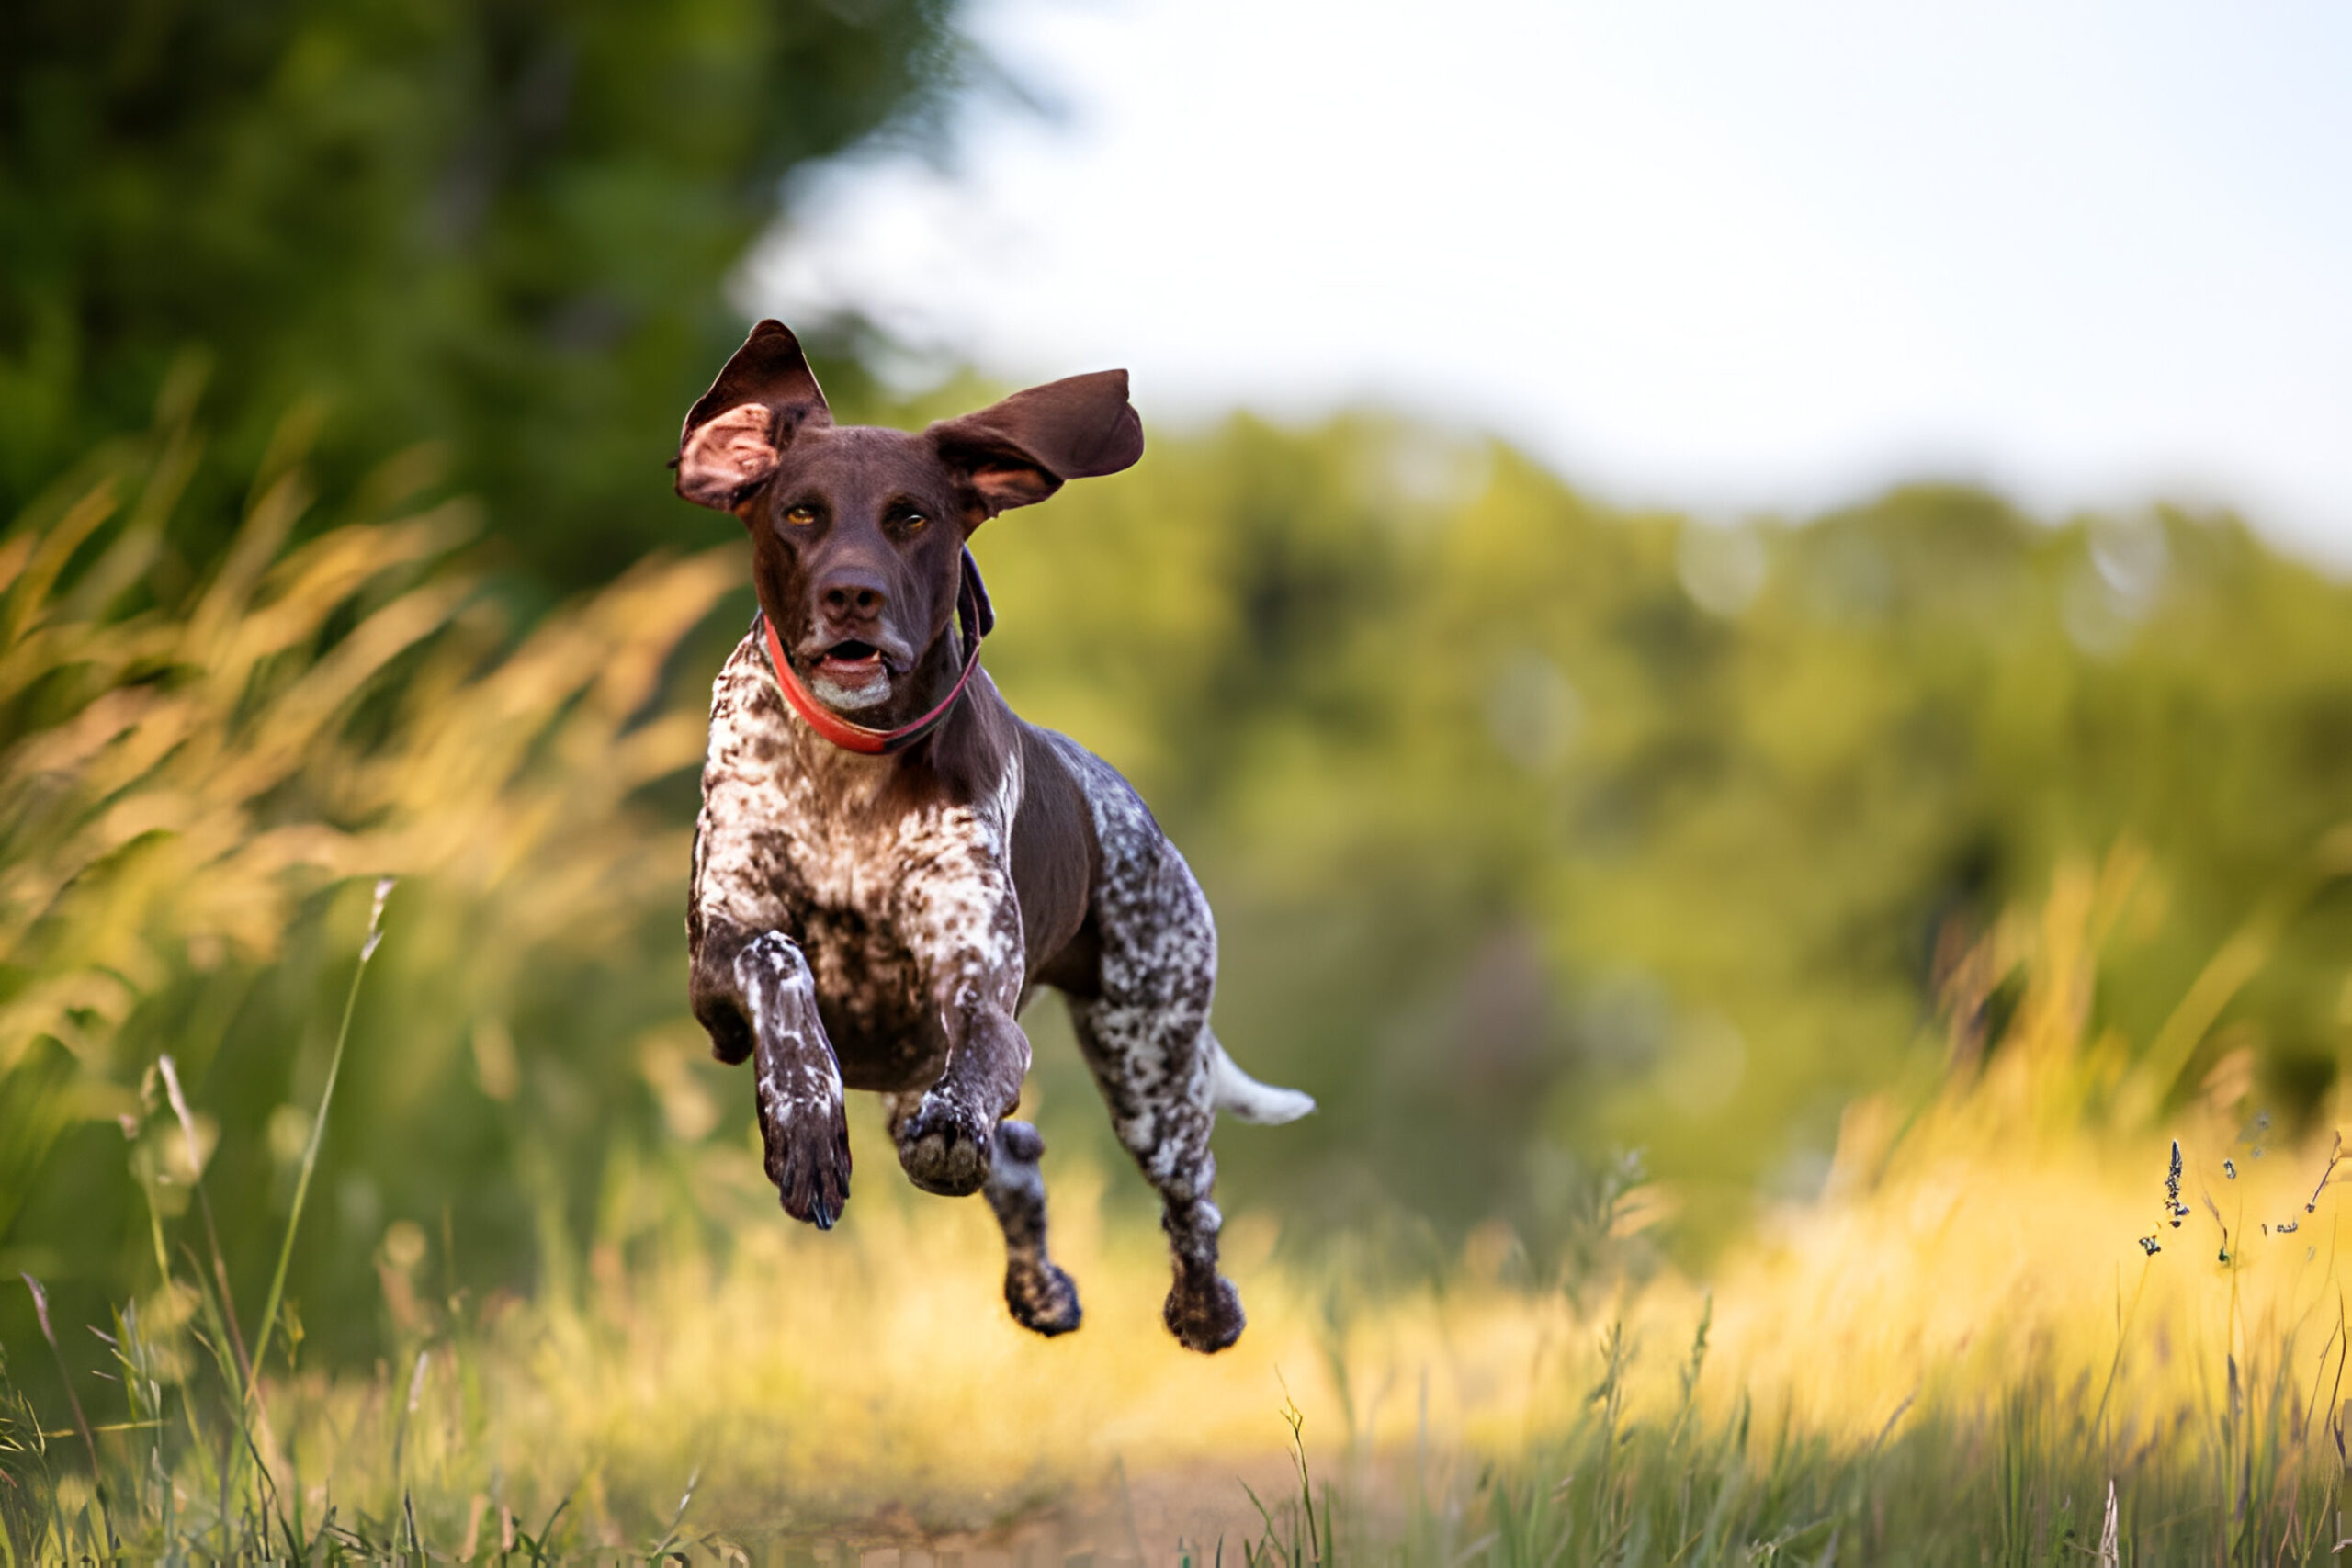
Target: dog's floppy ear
735	434
1020	450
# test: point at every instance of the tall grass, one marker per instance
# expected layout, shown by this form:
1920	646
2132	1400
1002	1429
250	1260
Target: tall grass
139	1509
1958	1352
197	765
1997	1334
186	769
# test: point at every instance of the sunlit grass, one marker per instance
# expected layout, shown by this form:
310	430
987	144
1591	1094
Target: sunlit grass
1961	1344
1959	1349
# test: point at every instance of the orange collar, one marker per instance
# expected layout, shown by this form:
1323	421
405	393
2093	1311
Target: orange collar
860	738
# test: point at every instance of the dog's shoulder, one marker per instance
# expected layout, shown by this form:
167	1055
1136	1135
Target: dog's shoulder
750	730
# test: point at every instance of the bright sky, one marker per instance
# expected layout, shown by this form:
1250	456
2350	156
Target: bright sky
1703	252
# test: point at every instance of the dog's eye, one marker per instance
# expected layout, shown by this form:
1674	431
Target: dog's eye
800	516
912	521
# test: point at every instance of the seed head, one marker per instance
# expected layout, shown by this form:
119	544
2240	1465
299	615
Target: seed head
180	1110
376	918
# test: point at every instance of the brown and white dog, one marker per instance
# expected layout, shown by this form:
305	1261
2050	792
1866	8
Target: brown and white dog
888	861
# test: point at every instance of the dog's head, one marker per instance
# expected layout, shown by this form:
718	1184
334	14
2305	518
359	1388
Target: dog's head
857	532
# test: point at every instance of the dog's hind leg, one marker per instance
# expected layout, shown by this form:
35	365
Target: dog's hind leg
1142	1021
1153	1067
1040	1296
1145	1036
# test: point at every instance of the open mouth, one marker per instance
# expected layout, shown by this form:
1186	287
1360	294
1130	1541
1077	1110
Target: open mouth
850	674
851	662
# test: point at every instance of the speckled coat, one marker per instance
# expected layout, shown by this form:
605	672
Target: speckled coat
876	921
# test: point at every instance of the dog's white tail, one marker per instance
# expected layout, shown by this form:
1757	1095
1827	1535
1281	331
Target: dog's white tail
1236	1092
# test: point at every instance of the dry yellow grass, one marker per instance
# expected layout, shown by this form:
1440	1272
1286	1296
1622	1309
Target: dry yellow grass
1972	1270
1985	1254
194	771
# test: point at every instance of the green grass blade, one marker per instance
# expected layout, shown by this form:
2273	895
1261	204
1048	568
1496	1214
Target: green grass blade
318	1128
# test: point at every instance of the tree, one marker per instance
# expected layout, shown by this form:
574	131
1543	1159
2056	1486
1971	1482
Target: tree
500	225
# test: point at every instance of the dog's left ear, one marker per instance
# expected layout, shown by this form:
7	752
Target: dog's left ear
1020	451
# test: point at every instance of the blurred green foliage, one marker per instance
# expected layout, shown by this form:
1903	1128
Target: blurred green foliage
502	226
191	784
1535	832
1536	829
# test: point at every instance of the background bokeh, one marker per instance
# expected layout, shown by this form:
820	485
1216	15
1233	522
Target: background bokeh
341	351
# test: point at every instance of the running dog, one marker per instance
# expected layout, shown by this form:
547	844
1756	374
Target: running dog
888	862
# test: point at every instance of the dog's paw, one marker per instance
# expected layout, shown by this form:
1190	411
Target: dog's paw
1204	1311
946	1147
808	1158
1044	1299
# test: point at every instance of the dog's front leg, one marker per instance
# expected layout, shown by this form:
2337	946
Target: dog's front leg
766	993
749	983
969	950
948	1145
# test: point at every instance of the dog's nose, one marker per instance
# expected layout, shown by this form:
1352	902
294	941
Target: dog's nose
851	593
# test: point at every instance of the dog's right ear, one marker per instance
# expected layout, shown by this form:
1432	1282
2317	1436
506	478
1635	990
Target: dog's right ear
736	435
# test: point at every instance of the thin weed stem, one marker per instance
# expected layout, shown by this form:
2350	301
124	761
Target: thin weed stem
2115	1364
319	1126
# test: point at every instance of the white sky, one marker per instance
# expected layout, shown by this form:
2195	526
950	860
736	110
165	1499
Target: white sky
1726	255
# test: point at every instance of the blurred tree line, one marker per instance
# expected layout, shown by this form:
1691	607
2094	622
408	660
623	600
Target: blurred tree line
1539	829
396	252
500	225
1536	829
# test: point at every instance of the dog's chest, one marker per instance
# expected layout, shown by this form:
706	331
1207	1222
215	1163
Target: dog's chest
883	908
890	898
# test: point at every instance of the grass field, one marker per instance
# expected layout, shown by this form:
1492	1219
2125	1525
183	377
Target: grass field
1961	1351
1999	1331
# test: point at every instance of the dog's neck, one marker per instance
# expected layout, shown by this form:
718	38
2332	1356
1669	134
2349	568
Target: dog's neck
951	664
